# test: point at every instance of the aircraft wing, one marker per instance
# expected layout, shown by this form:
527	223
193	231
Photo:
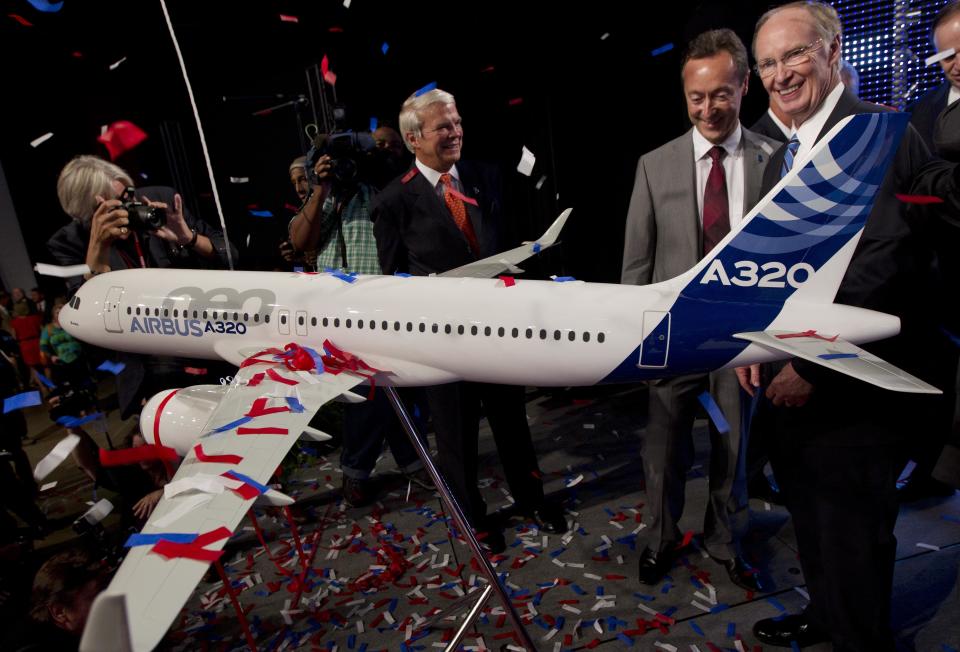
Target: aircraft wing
249	433
507	261
840	355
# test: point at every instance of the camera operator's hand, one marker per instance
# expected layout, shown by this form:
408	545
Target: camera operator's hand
109	223
323	169
305	227
177	230
146	505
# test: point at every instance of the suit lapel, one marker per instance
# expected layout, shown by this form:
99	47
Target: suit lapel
686	176
426	202
754	162
472	190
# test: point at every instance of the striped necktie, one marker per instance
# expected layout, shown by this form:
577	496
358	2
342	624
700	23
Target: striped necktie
788	155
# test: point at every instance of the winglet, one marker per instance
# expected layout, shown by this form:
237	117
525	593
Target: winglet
108	627
274	498
549	238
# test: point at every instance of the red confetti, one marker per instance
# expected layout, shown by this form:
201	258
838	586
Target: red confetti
147	452
330	77
194	550
76	54
687	538
515	101
260	408
919	199
215	459
508	281
262	431
288	19
280	379
20	19
487	69
195	371
336	29
120	137
592	644
255	380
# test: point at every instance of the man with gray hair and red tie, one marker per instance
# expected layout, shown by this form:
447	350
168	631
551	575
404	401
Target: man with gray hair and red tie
445	213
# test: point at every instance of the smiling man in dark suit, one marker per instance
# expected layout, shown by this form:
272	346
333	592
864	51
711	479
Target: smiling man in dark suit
441	214
945	30
686	196
839	445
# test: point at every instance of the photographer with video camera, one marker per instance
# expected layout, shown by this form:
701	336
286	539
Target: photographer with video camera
118	227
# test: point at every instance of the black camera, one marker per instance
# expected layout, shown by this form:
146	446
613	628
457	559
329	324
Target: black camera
143	217
349	153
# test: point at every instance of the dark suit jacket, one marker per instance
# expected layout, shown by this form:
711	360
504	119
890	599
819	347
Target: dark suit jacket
765	126
416	233
889	272
925	112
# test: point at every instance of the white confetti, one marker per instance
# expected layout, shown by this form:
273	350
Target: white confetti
239	179
55	457
49	485
36	142
939	56
116	64
527	161
540	182
928	546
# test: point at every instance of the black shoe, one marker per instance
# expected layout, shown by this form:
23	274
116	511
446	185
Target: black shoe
357	492
654	565
917	488
783	632
741	573
421	478
760	488
548	517
492	538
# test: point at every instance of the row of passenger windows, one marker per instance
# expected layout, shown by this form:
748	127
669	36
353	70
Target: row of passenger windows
197	314
371	324
488	331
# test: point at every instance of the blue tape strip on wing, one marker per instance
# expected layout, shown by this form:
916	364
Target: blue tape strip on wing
140	539
563	279
837	356
262	488
233	424
715	413
295	405
536	247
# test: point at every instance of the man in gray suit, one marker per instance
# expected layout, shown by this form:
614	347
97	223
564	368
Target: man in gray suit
687	195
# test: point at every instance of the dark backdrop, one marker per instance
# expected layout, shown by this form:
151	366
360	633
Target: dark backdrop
524	73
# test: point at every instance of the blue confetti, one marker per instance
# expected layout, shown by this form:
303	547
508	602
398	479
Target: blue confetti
536	247
373	123
950	517
20	401
947	648
666	588
46	381
794	646
261	213
660	50
776	604
45	6
140	539
384	47
715	413
626	640
233	424
563	279
298	269
696	628
113	367
426	89
577	590
351	641
295	405
262	488
669	612
402	274
643	596
731	630
837	356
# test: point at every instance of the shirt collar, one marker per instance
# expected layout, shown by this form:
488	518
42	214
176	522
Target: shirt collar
807	132
953	95
433	176
701	145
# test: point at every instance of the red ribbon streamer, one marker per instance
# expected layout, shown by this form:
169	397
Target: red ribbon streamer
919	199
463	197
144	453
245	491
269	430
280	379
255	358
786	336
256	379
260	409
196	549
215	459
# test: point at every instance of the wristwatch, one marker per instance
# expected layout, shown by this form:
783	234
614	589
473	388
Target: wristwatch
191	244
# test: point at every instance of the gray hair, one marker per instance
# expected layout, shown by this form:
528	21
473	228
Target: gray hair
825	20
410	119
299	162
82	180
946	12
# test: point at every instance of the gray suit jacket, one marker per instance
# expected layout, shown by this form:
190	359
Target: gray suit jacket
664	237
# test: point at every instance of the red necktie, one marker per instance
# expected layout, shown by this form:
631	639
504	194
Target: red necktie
459	212
716	208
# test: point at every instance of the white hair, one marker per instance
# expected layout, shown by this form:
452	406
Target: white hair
411	120
82	180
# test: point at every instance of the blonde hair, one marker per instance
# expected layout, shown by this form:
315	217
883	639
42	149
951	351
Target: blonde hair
410	118
82	180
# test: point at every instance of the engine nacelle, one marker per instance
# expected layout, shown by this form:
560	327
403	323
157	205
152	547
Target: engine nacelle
176	417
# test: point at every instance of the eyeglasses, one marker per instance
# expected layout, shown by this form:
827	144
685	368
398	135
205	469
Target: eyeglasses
792	59
445	130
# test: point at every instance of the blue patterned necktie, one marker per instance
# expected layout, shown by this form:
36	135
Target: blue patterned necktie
789	155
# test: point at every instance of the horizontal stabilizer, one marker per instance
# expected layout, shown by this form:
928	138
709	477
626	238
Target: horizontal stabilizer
312	434
350	397
507	261
840	355
274	498
107	627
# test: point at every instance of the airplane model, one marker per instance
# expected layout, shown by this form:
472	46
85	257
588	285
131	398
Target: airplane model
765	292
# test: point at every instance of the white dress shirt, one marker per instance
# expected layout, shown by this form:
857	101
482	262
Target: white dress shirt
433	177
807	132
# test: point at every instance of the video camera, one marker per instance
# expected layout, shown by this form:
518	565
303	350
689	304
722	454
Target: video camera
351	156
143	217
